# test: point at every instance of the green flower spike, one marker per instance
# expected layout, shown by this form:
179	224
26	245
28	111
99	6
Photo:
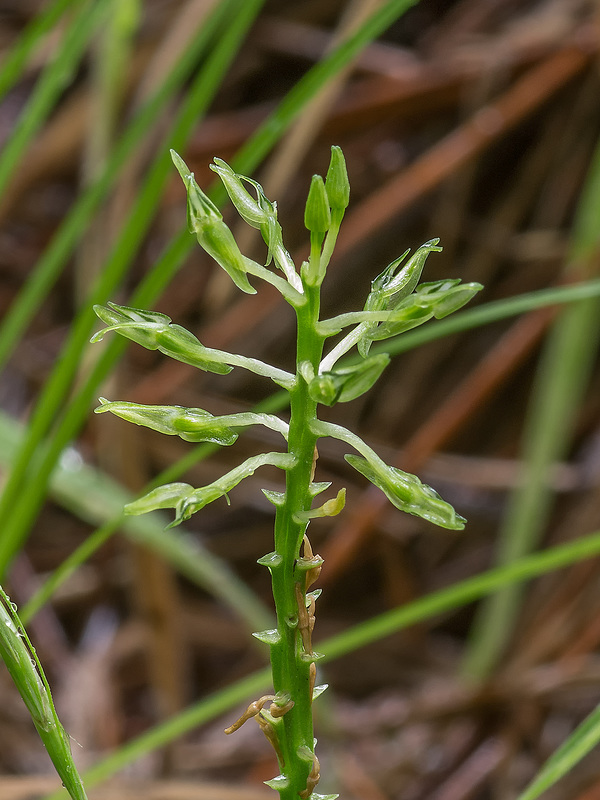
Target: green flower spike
206	221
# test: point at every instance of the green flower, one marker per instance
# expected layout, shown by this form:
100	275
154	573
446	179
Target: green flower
206	221
406	492
155	331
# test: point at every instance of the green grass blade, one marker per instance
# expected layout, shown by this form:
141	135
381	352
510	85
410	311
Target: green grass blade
53	80
25	669
260	143
71	230
562	378
386	624
583	739
17	507
15	61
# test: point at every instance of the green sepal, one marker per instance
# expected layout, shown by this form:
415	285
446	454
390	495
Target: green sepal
165	496
155	331
271	636
317	216
395	286
190	424
337	184
446	297
408	493
269	560
347	383
316	796
254	212
206	221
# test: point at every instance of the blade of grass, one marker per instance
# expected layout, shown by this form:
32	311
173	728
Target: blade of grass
562	378
15	60
583	739
72	229
386	624
55	77
25	488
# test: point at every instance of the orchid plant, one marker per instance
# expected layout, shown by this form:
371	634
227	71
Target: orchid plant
395	304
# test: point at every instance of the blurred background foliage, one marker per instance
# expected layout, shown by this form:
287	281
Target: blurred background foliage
475	122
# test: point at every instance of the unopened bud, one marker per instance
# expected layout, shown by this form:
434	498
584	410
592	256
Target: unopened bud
337	184
317	217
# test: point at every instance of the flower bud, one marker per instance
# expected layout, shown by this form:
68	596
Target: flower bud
337	184
347	383
317	217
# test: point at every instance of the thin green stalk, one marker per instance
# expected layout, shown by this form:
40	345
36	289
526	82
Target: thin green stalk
77	220
15	60
390	622
290	664
56	76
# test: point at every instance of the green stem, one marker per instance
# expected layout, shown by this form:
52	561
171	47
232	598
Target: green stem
290	662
